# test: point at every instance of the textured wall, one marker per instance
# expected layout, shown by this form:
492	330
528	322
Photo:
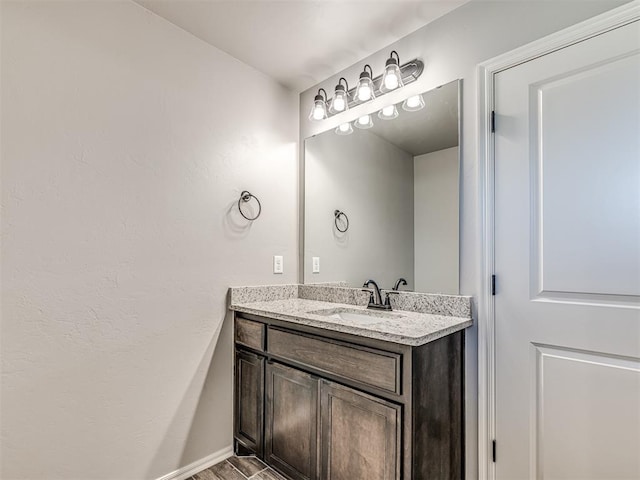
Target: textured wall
371	180
125	144
452	47
436	221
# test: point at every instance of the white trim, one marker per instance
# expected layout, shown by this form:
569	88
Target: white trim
199	465
610	20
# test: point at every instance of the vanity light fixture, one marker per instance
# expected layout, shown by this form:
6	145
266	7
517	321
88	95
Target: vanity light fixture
388	113
365	88
344	129
364	122
413	104
319	109
340	101
391	78
395	76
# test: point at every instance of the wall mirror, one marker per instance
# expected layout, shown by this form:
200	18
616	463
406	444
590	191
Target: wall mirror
394	190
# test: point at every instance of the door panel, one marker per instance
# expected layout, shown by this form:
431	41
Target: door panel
249	386
582	441
567	259
585	137
291	419
360	435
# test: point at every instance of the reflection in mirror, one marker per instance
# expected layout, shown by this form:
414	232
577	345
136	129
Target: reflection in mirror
398	183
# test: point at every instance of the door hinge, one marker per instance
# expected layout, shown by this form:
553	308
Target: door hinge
493	121
493	451
493	284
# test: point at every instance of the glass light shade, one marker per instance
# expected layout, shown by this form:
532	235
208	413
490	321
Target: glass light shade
392	78
388	113
319	109
340	101
344	129
413	104
364	90
364	122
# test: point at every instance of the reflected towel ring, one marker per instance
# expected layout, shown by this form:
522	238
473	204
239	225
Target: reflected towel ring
245	197
337	214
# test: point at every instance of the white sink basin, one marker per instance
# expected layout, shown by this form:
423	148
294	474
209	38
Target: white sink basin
357	316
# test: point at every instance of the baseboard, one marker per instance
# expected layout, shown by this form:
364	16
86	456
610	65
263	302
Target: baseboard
199	465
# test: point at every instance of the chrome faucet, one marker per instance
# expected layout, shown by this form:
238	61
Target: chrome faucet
375	297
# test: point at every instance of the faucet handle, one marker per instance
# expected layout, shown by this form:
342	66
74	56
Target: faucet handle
387	301
370	292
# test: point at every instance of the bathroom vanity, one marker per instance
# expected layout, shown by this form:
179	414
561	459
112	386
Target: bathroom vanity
327	390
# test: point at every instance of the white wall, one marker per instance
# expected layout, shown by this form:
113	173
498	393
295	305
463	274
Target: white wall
452	47
371	180
436	223
125	144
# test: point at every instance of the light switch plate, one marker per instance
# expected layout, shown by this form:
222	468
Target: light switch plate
278	264
315	264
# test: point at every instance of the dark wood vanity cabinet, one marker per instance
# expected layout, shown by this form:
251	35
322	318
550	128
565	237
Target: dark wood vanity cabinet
316	404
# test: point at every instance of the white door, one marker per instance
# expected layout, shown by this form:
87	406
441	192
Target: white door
567	261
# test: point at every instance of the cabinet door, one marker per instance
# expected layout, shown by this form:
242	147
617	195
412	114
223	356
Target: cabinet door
291	442
360	435
249	394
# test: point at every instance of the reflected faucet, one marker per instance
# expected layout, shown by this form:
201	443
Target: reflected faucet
401	281
375	298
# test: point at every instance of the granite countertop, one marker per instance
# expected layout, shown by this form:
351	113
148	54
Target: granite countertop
397	326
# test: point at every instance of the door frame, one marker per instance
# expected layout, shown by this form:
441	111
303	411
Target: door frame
597	25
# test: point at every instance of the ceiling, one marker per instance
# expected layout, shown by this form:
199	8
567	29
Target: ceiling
433	128
300	42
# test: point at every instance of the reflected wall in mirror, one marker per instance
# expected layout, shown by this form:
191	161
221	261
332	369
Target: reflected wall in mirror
398	184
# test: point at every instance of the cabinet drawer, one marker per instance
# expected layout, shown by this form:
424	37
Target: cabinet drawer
250	334
365	365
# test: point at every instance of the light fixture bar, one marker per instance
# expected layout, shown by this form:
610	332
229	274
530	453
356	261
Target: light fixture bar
409	71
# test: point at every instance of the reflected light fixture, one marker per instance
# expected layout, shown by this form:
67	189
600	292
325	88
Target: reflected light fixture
364	91
344	129
388	113
319	109
340	101
391	78
413	104
364	122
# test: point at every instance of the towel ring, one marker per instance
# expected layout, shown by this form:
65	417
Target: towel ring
245	197
337	214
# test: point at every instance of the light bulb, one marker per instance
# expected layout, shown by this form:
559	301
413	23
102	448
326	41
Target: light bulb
392	78
364	90
319	109
344	129
338	104
413	104
391	81
364	93
364	122
388	113
318	112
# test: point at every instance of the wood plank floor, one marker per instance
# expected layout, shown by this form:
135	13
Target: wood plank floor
238	468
